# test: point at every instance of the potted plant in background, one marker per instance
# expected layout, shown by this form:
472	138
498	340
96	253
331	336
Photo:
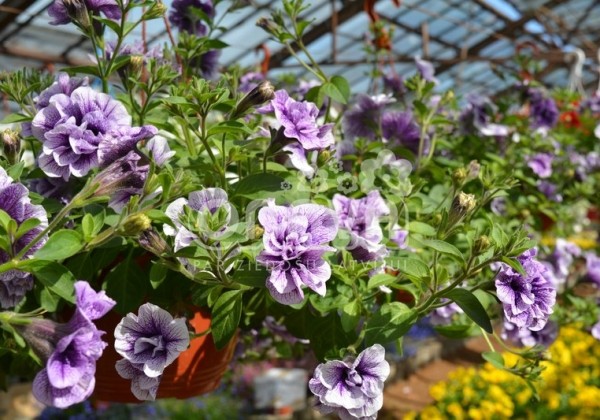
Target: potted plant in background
168	196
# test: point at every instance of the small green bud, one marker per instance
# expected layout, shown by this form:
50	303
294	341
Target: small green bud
473	170
135	224
324	157
461	205
258	231
157	10
481	245
459	175
267	25
136	63
77	11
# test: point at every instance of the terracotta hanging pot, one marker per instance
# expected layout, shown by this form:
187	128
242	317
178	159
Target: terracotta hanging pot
196	371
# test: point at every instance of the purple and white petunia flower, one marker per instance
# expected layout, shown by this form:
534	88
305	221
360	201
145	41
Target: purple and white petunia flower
295	240
14	200
596	330
209	199
61	11
562	258
478	115
82	131
400	129
360	217
249	81
525	337
152	339
70	350
426	70
364	118
544	112
183	18
299	121
550	190
143	387
351	388
527	299
592	264
159	150
399	236
541	164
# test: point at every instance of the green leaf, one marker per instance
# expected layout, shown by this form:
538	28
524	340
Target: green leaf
381	280
26	226
515	264
54	276
61	245
350	315
342	86
391	322
126	284
251	275
422	228
472	307
413	267
48	300
262	182
443	247
87	226
15	118
226	317
494	358
454	331
4	219
158	273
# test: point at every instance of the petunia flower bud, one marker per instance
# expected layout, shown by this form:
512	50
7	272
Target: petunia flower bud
459	176
259	95
135	224
267	25
77	11
157	10
481	245
461	205
41	335
11	145
151	241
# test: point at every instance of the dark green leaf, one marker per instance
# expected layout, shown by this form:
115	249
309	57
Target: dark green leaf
472	307
61	245
422	228
443	247
226	317
126	284
413	267
381	280
54	276
262	182
515	264
350	315
251	275
454	331
26	226
15	118
391	322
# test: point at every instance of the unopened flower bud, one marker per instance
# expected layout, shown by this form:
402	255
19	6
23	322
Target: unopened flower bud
135	224
459	175
11	145
473	170
136	63
41	335
78	12
151	241
267	25
258	232
481	245
461	205
157	10
324	156
259	95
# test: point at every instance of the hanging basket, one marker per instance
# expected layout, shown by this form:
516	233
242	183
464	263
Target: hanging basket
196	371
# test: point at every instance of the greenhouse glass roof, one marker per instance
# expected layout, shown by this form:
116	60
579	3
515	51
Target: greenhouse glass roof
470	42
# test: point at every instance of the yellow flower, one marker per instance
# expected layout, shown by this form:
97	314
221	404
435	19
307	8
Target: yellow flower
456	411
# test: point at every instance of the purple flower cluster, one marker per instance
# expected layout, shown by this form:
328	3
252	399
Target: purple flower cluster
426	70
399	128
544	112
63	12
527	299
295	240
148	342
360	217
351	388
249	81
561	259
83	130
184	19
541	164
299	125
550	190
525	337
477	117
14	200
364	118
69	350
